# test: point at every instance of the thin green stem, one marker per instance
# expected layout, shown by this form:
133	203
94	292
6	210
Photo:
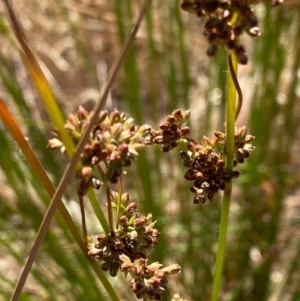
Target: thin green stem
98	210
119	200
107	285
229	153
221	242
108	198
231	112
109	209
237	86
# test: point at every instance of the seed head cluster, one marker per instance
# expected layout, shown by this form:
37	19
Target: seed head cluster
150	280
126	249
115	141
171	131
226	21
206	167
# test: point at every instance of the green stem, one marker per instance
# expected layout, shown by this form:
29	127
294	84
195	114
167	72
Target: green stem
119	200
235	81
98	210
107	285
221	242
109	209
231	112
109	206
229	153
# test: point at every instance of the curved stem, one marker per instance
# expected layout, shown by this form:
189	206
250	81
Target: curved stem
237	86
229	153
231	111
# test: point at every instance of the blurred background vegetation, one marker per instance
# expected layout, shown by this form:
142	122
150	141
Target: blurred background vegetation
76	43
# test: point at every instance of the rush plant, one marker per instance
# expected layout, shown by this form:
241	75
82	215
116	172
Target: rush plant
105	145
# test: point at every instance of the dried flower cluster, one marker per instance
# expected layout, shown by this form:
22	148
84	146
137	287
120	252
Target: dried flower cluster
171	131
150	280
227	21
115	141
126	249
206	167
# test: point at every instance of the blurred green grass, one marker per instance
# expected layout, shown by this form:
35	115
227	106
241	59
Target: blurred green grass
167	68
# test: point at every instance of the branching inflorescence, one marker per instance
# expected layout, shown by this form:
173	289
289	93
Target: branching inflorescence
209	169
206	166
126	249
114	143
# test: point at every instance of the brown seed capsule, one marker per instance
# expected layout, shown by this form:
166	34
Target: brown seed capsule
191	174
184	130
164	125
132	206
123	220
139	222
82	113
170	119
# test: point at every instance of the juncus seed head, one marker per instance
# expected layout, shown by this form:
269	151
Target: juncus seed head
226	21
206	168
115	140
